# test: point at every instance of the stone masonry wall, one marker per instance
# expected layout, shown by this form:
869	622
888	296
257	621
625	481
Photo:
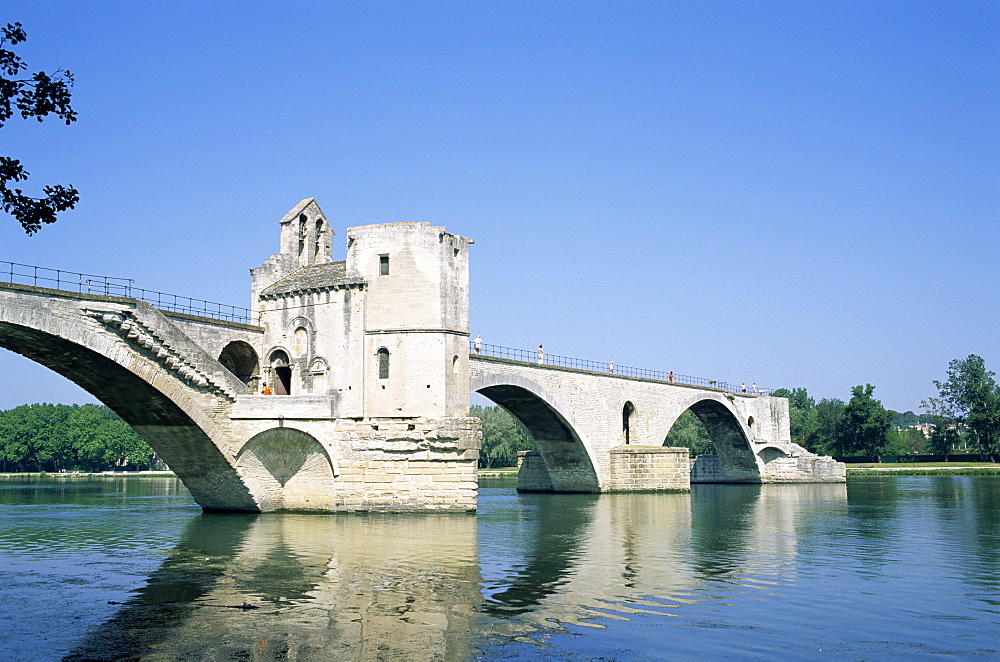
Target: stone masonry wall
397	465
809	468
636	468
390	464
532	476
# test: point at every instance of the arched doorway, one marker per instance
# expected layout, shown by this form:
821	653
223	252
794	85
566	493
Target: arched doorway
282	371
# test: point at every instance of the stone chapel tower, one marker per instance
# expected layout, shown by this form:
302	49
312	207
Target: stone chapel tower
367	360
416	318
383	333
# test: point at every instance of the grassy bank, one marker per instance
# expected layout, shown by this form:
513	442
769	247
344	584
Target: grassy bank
64	474
499	471
925	469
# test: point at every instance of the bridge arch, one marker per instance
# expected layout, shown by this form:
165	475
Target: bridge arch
294	470
731	435
112	355
240	358
771	453
567	454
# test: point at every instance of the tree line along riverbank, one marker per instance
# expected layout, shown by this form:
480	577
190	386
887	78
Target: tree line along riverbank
965	415
57	438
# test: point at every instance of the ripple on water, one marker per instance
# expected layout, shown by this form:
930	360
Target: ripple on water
876	570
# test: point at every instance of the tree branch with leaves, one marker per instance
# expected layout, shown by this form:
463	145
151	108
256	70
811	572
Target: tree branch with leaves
35	95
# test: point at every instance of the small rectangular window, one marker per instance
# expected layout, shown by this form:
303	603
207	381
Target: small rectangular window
383	265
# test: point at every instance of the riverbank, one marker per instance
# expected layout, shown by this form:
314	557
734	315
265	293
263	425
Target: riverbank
499	472
89	474
925	469
883	469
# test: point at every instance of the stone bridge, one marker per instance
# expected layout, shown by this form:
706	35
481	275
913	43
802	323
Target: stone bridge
351	391
159	371
603	432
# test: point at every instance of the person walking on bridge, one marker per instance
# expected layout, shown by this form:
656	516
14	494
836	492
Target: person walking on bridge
477	344
541	354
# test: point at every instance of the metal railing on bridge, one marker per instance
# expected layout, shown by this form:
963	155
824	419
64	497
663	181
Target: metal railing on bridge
72	281
603	367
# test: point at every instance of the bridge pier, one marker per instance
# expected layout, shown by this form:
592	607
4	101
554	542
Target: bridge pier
306	460
649	468
532	474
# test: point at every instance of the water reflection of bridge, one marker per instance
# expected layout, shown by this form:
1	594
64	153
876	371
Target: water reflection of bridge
439	586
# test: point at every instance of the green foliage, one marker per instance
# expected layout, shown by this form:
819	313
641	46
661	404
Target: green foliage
44	437
814	426
970	396
34	95
968	400
865	424
945	436
906	442
957	471
503	437
824	435
797	397
689	432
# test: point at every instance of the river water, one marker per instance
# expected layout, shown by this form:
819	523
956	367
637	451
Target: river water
129	568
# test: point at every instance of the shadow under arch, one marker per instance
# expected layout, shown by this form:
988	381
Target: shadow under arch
293	468
730	438
239	358
564	452
177	433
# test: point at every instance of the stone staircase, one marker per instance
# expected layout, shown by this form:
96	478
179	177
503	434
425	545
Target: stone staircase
148	331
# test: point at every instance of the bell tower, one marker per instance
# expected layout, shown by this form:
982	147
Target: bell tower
306	239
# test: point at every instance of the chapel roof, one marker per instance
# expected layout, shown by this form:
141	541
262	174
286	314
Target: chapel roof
314	277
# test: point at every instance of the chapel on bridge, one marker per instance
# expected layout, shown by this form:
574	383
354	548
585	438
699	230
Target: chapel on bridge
383	333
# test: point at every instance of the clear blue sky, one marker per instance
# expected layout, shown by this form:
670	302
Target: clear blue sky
792	193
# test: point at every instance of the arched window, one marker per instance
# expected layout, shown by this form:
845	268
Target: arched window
300	341
383	363
628	418
318	246
319	371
